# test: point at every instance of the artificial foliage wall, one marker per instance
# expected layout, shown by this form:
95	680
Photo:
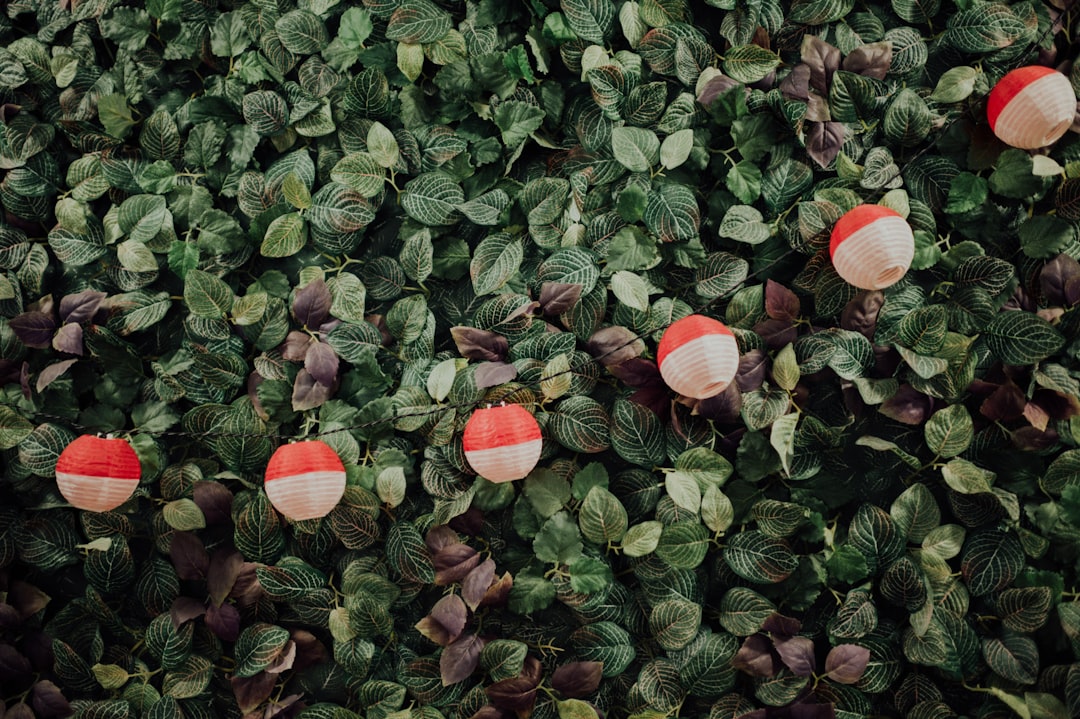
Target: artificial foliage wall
231	224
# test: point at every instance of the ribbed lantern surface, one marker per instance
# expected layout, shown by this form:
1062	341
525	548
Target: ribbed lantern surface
872	247
1031	107
305	480
502	443
97	474
698	356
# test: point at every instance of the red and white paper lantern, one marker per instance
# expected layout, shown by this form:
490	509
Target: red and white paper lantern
698	356
872	247
1031	107
305	480
502	443
97	473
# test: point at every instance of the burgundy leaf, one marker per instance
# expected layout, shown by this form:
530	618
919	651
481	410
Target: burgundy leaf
1055	277
286	708
780	302
295	346
189	556
655	397
812	711
225	568
817	109
908	406
489	711
26	599
1057	404
1038	417
53	372
715	87
460	659
13	665
49	702
9	619
184	609
329	326
470	522
577	679
823	142
846	663
796	86
311	304
69	339
797	652
1072	291
309	394
823	60
322	362
1005	403
526	308
439	537
446	621
861	313
251	692
453	562
223	621
36	646
637	372
34	329
434	631
755	657
21	710
80	306
756	714
246	589
493	374
872	60
724	407
499	592
284	660
753	367
215	500
776	333
516	694
309	650
614	345
476	583
24	380
1031	439
478	344
779	625
558	297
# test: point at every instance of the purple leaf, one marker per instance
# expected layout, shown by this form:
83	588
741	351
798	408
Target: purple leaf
284	660
755	657
184	609
724	407
296	344
80	306
453	562
577	679
13	665
49	702
846	663
493	374
223	621
1006	403
797	653
311	304
823	142
9	619
251	692
558	297
460	659
753	367
861	313
189	556
813	711
637	372
446	621
780	302
476	583
776	333
526	308
225	567
781	626
307	393
69	339
796	86
215	500
439	537
322	362
613	345
655	397
872	60
1055	277
715	87
34	329
53	372
908	406
309	650
477	344
823	60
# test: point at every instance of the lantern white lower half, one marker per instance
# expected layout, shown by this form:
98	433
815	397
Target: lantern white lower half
306	496
703	367
1039	114
876	255
507	463
96	494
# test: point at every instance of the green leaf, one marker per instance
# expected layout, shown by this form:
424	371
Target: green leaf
636	148
749	63
602	518
496	259
955	85
949	431
558	541
991	560
676	148
591	20
1044	236
285	236
115	115
432	198
361	172
301	32
1022	338
756	557
637	434
674	623
642	539
418	21
683	545
206	295
744	181
517	121
257	647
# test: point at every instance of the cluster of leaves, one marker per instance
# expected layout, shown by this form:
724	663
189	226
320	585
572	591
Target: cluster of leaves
225	223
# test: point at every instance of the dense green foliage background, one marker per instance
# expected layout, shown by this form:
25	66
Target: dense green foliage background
229	223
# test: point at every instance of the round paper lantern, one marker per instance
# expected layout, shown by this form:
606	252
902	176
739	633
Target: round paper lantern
305	480
872	247
502	443
1031	107
698	356
97	473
